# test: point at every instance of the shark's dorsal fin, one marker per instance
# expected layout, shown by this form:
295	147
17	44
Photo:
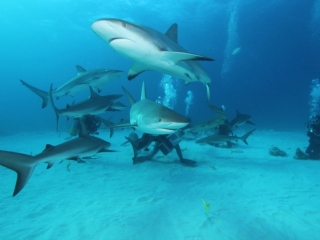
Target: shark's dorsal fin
172	32
93	94
237	112
136	69
48	147
80	69
143	92
130	98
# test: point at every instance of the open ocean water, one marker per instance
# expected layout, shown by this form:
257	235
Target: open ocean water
267	64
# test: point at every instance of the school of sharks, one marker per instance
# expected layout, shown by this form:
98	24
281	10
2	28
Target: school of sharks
149	50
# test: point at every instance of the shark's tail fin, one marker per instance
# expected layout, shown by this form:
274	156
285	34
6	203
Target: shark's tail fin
130	98
244	137
56	110
43	94
108	124
21	164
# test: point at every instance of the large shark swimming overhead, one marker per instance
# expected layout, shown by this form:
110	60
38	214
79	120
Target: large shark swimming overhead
151	117
152	50
94	78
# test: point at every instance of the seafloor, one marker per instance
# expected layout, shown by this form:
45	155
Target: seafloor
252	195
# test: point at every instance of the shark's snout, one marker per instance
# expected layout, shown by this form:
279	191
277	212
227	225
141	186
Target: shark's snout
103	29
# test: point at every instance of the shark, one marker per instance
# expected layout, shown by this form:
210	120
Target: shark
151	117
96	104
152	50
215	139
94	78
24	165
241	119
211	124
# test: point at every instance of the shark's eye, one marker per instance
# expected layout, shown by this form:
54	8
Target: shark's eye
124	24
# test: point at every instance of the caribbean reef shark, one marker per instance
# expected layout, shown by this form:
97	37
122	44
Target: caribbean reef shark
211	124
214	139
96	104
23	165
241	119
151	117
94	78
152	50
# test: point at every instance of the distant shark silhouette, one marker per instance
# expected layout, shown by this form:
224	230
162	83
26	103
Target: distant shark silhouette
152	50
214	139
94	78
96	104
151	117
241	119
211	124
23	165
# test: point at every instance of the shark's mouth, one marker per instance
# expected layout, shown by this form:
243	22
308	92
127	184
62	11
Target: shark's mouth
114	39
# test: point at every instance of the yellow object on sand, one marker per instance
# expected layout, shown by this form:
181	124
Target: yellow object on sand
206	205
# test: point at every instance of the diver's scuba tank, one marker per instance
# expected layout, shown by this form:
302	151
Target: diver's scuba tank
169	142
75	127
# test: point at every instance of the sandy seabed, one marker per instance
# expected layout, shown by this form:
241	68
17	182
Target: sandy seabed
252	195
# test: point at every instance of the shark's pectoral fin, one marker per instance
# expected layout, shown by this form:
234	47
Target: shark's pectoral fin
173	58
249	122
23	177
136	69
106	150
50	164
208	91
74	158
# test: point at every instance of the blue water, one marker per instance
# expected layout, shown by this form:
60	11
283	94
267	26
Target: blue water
42	41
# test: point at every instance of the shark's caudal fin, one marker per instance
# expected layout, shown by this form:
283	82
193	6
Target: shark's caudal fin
56	110
109	124
21	164
130	98
244	137
43	94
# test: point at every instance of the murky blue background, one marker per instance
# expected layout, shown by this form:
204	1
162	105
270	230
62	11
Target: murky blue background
270	77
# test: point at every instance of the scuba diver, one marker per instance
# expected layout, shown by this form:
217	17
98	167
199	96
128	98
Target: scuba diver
313	132
224	129
164	143
91	123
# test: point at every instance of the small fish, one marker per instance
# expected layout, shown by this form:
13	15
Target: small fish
206	205
213	167
184	149
236	151
68	166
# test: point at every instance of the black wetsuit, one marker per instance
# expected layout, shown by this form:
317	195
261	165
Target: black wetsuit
163	143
